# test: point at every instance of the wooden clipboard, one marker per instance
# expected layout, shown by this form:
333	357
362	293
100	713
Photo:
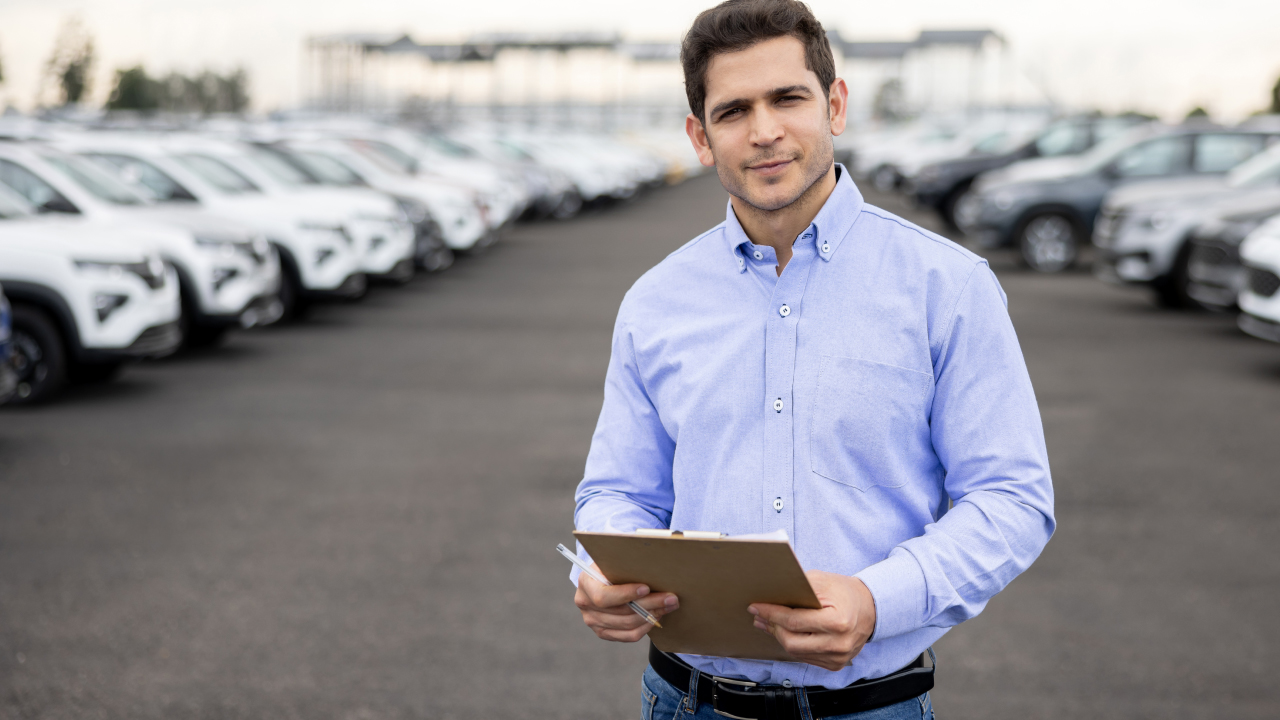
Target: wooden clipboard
715	579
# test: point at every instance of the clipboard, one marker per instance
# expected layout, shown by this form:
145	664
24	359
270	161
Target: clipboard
716	578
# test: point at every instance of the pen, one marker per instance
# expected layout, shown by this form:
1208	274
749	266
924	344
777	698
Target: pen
573	558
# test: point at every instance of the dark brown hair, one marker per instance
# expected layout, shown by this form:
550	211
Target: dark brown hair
737	25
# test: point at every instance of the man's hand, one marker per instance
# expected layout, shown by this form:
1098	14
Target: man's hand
604	608
831	636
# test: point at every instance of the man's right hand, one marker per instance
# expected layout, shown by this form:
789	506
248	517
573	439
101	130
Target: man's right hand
604	608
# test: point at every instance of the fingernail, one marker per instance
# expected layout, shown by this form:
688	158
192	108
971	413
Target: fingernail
752	609
642	591
671	601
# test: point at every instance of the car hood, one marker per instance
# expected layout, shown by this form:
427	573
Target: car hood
1191	189
1034	170
73	237
197	220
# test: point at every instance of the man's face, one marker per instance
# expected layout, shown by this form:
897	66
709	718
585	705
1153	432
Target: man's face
768	124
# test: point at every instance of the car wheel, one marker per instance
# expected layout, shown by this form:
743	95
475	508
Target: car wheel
1049	242
1171	290
204	336
885	178
38	356
293	302
568	207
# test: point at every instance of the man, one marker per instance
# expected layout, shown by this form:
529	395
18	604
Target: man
820	366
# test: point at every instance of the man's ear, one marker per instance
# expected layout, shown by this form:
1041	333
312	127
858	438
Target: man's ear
698	136
839	106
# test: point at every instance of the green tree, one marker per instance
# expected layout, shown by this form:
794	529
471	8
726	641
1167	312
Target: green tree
1275	97
134	90
1197	113
71	63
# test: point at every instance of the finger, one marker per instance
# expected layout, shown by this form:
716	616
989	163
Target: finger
606	621
624	635
603	596
801	644
793	619
658	603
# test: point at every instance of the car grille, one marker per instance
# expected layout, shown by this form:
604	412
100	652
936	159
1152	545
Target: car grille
1263	282
157	341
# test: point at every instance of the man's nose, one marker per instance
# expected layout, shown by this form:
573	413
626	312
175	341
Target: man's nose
766	127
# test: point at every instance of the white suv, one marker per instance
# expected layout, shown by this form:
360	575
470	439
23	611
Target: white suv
318	255
1260	299
85	298
227	271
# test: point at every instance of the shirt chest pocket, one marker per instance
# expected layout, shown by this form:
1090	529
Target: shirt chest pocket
869	425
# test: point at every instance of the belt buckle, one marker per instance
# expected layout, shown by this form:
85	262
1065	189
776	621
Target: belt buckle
715	695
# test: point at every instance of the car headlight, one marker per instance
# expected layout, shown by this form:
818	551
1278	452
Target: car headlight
151	271
1158	220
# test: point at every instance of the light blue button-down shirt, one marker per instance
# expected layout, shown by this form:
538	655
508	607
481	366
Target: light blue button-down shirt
872	401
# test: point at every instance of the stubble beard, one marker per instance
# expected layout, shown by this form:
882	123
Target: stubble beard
734	179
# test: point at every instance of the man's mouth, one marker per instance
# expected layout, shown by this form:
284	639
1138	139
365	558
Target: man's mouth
771	167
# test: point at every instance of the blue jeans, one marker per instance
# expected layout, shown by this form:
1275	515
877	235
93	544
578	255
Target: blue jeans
663	701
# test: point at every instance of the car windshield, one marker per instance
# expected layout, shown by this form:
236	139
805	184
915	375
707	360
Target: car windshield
447	146
217	173
388	153
279	168
94	181
12	205
141	176
1101	155
1260	170
330	170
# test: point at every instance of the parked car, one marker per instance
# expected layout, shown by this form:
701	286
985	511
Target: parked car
1145	231
946	186
1260	298
318	255
228	274
1047	207
86	297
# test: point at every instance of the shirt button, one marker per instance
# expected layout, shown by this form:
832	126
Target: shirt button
777	504
777	405
784	311
758	255
786	683
826	248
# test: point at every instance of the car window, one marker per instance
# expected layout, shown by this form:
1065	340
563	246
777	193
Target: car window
142	176
330	170
39	193
388	153
279	168
12	205
1063	139
94	181
217	173
1217	153
1106	128
1155	158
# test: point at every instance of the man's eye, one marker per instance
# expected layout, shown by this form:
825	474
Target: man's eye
730	113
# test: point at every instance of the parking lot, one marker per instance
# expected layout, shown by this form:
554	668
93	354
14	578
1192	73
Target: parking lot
354	516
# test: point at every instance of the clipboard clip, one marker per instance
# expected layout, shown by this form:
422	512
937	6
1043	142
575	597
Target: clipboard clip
694	534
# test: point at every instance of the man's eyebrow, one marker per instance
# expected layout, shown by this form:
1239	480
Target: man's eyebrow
736	102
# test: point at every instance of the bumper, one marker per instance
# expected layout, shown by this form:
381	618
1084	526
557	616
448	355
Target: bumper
353	286
155	342
262	311
1122	268
1259	327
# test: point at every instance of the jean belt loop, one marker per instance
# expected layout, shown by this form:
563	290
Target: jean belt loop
692	697
932	658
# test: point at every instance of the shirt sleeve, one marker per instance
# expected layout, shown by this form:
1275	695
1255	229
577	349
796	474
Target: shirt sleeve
627	483
987	434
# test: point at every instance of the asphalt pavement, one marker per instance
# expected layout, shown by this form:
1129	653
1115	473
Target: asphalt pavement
354	517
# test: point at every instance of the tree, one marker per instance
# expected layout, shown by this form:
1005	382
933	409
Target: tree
1197	113
1275	97
134	90
71	63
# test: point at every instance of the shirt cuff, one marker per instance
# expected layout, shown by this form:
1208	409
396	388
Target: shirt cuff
900	593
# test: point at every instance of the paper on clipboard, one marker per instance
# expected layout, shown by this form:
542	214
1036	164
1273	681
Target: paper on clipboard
715	579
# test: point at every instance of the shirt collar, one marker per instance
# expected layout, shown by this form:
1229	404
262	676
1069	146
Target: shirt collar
830	226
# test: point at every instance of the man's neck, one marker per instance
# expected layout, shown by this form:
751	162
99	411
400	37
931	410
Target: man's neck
778	228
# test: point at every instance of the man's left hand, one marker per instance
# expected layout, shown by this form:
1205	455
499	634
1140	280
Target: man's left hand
828	637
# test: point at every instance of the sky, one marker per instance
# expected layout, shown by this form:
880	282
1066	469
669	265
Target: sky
1111	54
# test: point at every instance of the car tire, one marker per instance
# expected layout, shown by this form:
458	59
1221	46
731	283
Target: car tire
40	357
1171	290
959	208
1049	242
292	295
204	336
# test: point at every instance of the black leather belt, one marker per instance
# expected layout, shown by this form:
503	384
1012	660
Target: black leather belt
751	701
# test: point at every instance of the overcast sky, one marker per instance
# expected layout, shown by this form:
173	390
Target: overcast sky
1114	54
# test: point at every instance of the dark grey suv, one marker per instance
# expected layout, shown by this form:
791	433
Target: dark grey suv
1047	207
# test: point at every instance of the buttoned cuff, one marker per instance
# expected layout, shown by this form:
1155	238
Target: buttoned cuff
899	590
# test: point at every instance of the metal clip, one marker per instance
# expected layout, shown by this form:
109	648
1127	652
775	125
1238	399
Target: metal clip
715	695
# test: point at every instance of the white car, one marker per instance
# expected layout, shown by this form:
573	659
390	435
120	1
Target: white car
85	298
456	208
1260	299
318	255
1144	228
228	274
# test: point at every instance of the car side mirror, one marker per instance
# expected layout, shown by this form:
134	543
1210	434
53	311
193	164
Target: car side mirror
59	204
